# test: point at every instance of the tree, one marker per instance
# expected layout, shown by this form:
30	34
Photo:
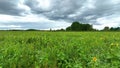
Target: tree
86	27
111	29
106	28
68	28
50	29
31	30
75	26
115	29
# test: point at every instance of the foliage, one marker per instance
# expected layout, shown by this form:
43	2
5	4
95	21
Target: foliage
31	30
106	28
115	29
76	26
35	49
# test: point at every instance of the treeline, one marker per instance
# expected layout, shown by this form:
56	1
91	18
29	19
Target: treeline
111	29
76	26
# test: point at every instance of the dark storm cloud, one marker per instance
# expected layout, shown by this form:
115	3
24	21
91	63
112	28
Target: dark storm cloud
80	9
11	7
57	9
7	7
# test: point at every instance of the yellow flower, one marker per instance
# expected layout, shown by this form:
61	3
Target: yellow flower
111	44
94	59
101	38
117	44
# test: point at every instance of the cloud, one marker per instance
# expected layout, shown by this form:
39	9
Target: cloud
49	13
112	20
10	27
13	7
30	21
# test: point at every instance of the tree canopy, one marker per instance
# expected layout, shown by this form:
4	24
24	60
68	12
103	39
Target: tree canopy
76	26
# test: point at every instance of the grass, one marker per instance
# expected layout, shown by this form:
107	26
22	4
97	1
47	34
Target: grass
34	49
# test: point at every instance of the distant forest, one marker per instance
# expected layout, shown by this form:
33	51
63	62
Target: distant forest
77	26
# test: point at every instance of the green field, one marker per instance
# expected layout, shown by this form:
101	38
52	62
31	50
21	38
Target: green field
36	49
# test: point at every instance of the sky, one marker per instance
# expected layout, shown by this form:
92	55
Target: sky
57	14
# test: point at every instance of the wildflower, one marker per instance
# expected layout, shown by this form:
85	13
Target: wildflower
111	44
94	59
117	44
114	44
101	38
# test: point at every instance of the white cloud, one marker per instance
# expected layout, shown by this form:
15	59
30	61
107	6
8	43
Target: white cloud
27	18
21	5
10	26
6	18
44	4
115	1
31	19
110	21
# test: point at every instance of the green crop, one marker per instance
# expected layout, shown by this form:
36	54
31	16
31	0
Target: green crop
36	49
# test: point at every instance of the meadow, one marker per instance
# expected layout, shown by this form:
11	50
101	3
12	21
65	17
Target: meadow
36	49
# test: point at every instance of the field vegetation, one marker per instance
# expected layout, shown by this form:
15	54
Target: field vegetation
36	49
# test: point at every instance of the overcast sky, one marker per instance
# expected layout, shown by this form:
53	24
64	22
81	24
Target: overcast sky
56	14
